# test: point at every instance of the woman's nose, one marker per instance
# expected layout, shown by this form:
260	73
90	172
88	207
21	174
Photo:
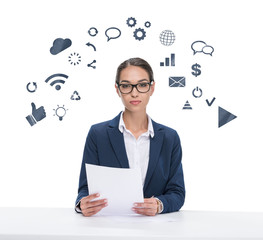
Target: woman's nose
134	92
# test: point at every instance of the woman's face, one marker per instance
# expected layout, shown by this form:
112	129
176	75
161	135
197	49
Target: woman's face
135	101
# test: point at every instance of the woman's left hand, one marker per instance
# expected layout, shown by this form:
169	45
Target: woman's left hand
148	208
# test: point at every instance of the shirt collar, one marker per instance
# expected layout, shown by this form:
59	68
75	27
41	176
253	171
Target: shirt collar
122	126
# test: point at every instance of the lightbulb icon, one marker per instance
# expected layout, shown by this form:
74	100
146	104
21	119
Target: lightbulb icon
60	112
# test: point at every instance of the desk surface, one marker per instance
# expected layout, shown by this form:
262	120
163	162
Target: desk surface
62	223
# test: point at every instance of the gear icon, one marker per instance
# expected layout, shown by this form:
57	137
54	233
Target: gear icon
147	24
131	22
139	34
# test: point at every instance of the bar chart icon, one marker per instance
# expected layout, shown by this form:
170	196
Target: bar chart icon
168	61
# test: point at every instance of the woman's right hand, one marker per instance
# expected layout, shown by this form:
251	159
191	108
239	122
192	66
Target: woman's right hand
89	207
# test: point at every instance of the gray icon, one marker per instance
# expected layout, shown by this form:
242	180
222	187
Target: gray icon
60	45
57	81
147	24
139	34
167	61
60	112
75	96
202	47
91	64
37	114
93	31
167	37
91	45
210	103
196	69
187	106
112	33
29	89
176	81
224	117
197	92
131	22
74	59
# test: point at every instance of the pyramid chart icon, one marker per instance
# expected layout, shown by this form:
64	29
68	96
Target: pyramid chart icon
187	106
224	117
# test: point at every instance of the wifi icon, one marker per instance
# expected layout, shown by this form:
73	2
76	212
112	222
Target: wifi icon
57	82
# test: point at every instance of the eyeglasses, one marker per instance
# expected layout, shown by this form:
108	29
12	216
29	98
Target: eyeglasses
126	88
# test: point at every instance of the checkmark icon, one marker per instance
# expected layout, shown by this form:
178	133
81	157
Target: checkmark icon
210	103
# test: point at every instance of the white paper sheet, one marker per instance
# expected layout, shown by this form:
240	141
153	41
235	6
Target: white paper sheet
121	186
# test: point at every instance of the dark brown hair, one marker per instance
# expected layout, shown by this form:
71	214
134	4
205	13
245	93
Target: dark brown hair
138	62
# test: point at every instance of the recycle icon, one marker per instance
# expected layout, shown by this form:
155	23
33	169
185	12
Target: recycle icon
75	96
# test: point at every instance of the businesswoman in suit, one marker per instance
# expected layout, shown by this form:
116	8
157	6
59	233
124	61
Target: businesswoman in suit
133	140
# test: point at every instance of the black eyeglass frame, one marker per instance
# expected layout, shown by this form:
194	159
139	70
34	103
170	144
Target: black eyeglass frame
135	86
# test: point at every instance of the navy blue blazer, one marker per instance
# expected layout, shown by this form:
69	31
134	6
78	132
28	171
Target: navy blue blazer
164	178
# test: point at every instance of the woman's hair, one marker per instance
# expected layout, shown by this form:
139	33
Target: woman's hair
138	62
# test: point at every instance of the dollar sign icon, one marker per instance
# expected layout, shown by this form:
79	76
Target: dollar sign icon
196	69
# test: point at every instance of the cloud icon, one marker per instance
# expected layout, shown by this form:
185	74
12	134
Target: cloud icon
60	45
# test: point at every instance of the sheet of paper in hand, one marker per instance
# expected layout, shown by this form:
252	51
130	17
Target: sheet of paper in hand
121	186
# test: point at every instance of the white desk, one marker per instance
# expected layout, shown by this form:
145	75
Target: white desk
61	223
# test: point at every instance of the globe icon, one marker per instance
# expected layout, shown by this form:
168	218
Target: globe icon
167	37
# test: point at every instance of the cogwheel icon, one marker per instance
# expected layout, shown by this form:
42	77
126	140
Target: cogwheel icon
131	22
147	24
139	34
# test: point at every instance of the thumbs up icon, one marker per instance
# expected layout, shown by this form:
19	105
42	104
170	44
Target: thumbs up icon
37	114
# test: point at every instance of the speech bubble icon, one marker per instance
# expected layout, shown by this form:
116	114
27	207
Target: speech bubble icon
208	50
197	46
112	33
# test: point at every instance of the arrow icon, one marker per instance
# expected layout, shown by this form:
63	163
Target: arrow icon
91	45
224	117
35	87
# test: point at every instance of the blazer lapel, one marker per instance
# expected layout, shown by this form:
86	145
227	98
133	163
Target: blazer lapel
155	148
117	142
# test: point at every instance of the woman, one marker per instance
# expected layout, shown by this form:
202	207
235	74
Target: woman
133	140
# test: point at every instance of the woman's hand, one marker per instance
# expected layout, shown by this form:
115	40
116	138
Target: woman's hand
89	207
148	208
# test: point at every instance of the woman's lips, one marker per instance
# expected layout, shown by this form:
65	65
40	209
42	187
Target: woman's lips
135	102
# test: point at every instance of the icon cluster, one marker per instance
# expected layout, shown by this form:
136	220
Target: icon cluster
57	80
167	38
139	33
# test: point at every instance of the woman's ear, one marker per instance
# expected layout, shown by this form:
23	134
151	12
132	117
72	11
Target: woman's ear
152	87
117	90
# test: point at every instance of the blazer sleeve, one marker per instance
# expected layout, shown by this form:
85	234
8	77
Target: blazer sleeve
174	193
90	156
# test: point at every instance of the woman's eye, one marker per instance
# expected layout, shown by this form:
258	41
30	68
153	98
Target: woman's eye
143	85
125	85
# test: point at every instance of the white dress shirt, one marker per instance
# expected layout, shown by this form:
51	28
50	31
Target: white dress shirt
138	150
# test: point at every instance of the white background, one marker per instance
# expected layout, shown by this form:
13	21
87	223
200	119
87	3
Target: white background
39	165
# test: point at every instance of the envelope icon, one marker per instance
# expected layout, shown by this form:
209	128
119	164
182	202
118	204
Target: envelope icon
176	81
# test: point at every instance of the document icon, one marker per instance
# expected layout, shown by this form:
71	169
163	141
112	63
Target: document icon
176	81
